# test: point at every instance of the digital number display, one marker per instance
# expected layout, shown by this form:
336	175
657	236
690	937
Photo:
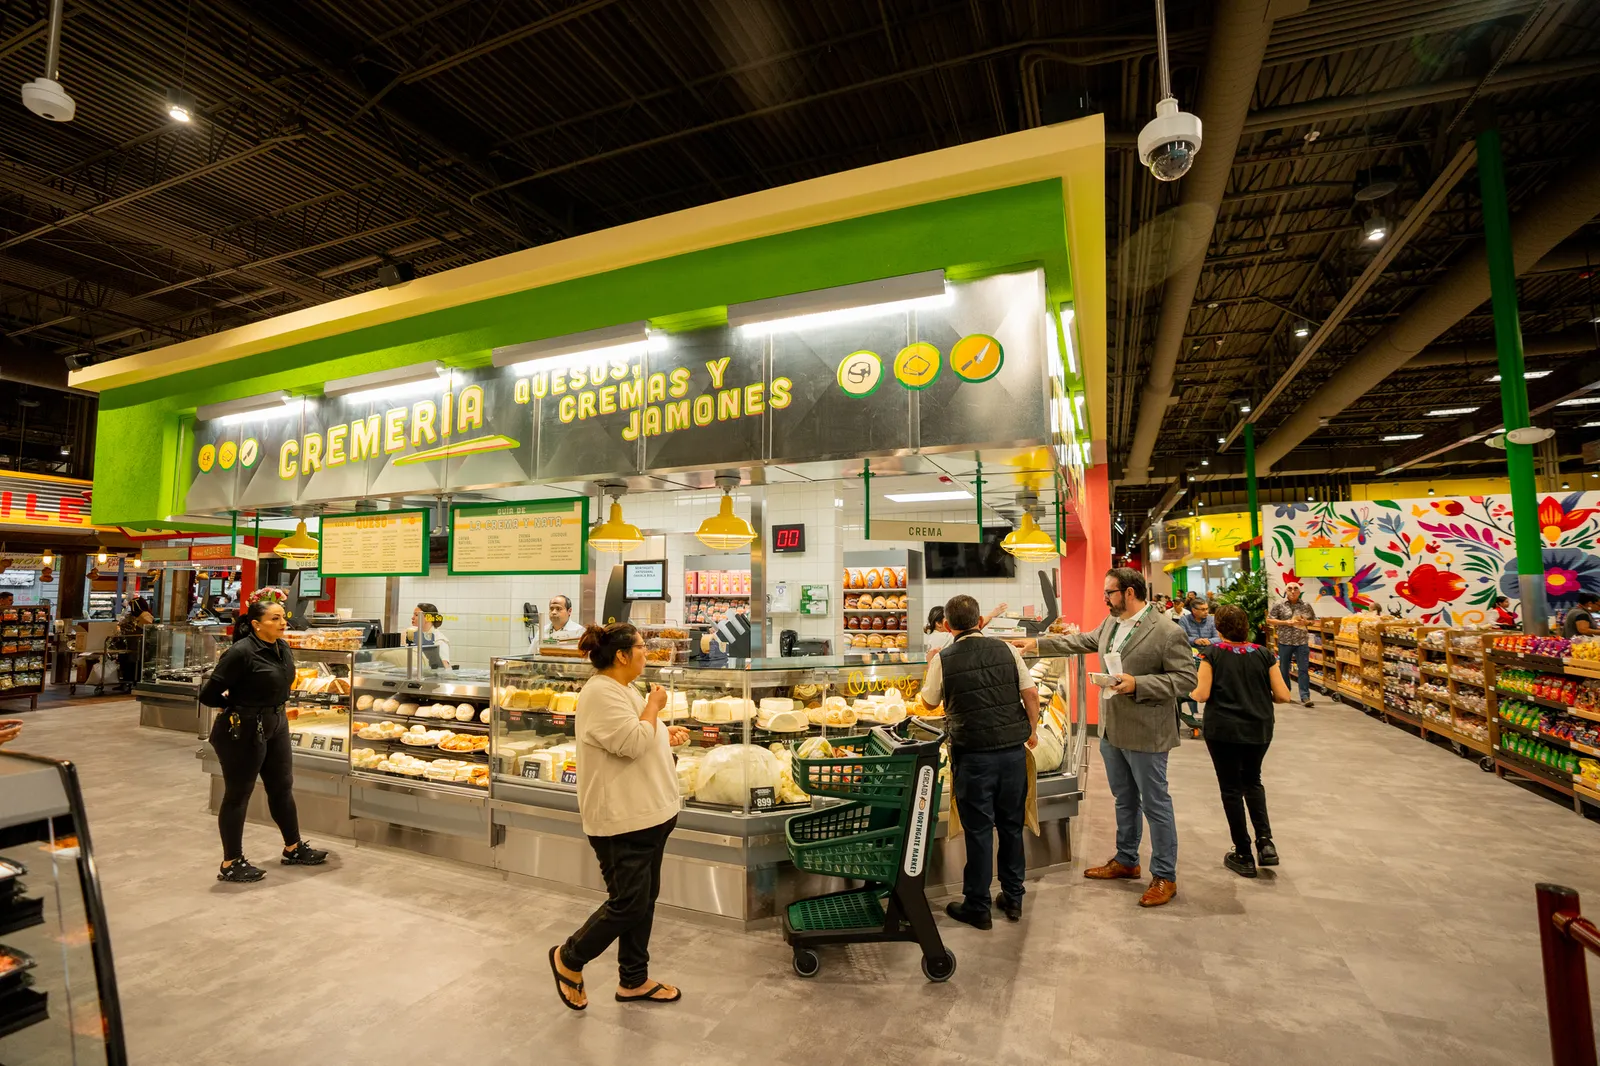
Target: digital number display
789	538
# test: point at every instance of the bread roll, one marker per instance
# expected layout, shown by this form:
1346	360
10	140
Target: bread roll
363	703
465	712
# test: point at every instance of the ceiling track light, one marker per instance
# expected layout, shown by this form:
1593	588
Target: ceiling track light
1169	142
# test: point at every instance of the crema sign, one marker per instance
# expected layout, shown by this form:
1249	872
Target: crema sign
702	398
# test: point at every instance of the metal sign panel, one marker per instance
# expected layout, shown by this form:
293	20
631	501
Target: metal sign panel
44	502
957	532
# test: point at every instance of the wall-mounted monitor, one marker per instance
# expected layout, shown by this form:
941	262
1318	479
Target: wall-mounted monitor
644	579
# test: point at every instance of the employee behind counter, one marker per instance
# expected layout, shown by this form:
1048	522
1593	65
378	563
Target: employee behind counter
563	630
424	633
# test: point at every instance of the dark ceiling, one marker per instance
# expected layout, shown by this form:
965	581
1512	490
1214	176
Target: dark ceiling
334	136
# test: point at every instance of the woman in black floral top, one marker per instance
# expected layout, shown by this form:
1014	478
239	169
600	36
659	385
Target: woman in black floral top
1239	686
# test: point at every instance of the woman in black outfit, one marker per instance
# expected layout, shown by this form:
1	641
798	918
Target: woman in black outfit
1239	683
251	736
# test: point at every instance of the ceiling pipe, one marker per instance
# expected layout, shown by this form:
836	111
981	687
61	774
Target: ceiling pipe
1566	342
1552	215
1233	60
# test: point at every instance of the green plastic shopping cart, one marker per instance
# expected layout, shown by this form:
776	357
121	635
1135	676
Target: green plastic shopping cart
881	836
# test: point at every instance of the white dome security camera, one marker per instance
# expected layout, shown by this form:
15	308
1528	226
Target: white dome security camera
1170	141
47	99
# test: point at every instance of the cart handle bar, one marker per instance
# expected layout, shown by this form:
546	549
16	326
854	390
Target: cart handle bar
1564	935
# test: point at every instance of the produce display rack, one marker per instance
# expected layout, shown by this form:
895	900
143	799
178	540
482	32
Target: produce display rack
1506	761
24	633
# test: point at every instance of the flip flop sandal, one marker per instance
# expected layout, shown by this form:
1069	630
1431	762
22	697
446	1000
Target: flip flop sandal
563	980
650	996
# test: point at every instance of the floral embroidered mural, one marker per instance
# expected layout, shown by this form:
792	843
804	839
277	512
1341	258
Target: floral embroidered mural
1436	561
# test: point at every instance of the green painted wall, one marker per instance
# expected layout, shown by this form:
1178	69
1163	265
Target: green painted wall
136	461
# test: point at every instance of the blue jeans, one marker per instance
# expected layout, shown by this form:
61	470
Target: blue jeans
1300	655
1138	780
991	793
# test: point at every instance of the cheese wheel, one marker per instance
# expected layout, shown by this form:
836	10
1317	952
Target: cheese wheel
874	578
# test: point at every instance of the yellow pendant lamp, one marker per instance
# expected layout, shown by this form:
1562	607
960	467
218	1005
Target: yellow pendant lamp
726	531
298	546
615	534
1029	542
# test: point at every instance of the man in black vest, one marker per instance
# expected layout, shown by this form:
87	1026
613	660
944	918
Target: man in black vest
991	707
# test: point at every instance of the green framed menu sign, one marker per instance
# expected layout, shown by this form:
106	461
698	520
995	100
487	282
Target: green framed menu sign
375	544
536	537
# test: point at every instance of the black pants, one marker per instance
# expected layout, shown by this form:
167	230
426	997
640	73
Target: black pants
631	865
243	758
991	790
1239	776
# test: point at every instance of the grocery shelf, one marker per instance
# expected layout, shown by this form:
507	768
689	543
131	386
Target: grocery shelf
1551	704
716	595
1586	793
875	610
1533	771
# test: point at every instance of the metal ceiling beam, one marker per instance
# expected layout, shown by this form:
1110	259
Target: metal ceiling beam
1581	339
1409	227
1551	216
1233	63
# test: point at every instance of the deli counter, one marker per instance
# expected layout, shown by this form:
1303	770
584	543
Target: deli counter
174	661
480	765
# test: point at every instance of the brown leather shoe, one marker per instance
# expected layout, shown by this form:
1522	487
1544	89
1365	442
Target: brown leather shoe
1160	891
1112	871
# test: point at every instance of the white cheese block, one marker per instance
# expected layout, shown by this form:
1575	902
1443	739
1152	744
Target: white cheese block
774	704
789	721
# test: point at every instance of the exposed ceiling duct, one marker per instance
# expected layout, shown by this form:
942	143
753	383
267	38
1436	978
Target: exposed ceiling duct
1581	339
1554	214
1233	61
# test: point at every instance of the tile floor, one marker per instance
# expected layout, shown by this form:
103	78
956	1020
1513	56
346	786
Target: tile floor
1398	929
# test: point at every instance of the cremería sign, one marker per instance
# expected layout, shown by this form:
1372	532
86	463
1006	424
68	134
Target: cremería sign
690	401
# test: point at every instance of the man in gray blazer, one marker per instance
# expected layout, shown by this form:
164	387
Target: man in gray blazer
1149	656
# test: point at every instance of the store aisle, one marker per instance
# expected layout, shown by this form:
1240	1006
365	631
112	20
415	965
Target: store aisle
1398	929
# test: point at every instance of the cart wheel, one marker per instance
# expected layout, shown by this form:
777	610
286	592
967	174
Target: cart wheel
941	970
1486	764
806	963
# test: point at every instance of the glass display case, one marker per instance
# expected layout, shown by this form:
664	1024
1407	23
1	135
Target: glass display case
58	987
174	663
416	724
319	704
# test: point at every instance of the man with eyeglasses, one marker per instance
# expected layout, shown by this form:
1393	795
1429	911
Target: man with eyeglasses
1150	666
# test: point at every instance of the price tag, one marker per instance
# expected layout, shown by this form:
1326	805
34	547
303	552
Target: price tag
763	798
319	743
336	744
294	739
530	770
569	777
516	716
710	734
558	720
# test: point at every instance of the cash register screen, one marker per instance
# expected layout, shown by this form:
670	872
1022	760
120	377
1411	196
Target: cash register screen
645	579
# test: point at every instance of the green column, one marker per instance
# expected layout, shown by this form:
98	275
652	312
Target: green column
1250	488
1513	385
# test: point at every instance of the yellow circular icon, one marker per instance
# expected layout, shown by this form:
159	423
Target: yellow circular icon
207	457
249	452
860	373
917	365
977	357
226	454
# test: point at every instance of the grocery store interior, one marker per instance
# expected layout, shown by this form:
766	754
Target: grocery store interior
446	330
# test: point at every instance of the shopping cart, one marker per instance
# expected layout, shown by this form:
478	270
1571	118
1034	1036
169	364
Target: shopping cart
1190	714
880	837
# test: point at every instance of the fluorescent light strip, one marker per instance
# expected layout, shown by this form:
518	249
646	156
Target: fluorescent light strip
420	387
612	351
1443	412
291	406
846	314
1401	436
1527	375
1590	425
208	412
629	337
384	379
927	497
1580	401
1067	316
1083	419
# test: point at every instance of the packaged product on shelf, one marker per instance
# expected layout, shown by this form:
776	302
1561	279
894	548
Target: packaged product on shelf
728	773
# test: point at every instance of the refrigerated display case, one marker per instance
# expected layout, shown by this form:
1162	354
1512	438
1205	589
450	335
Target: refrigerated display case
58	985
176	659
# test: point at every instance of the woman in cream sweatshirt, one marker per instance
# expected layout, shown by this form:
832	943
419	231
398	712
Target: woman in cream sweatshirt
628	800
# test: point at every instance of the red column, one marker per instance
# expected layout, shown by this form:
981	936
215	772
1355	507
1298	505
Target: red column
1084	566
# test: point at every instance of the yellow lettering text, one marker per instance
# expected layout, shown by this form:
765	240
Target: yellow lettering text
336	438
717	367
423	412
754	404
680	383
656	389
677	416
541	385
705	409
558	382
364	437
728	404
631	431
394	430
519	391
608	400
632	394
779	399
469	411
567	409
288	467
585	405
652	421
311	454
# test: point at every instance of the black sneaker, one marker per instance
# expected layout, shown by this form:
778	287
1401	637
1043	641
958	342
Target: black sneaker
1241	863
1306	702
303	854
959	912
1011	908
1268	853
240	872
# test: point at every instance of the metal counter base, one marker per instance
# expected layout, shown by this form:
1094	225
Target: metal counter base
733	871
168	706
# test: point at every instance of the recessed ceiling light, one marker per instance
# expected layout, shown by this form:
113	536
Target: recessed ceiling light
1528	375
927	497
1375	228
1302	330
1212	306
1444	412
1400	436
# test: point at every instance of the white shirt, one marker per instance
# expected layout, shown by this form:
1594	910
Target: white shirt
626	779
933	680
936	640
567	633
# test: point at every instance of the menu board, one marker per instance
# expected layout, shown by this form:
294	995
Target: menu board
537	537
375	544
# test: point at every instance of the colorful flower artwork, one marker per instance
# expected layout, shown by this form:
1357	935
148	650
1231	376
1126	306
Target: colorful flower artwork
1436	561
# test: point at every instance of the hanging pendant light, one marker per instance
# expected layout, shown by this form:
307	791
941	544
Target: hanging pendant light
49	558
615	534
726	531
1029	542
298	546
